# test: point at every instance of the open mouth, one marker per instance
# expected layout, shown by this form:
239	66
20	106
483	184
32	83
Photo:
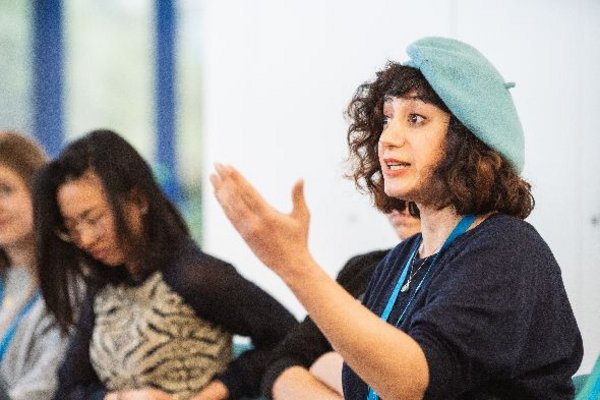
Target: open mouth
395	165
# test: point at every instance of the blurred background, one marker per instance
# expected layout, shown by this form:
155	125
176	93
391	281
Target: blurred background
263	85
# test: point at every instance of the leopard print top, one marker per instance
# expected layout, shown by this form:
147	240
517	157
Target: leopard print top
147	336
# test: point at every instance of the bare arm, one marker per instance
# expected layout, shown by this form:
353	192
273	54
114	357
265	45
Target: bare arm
328	369
383	356
298	383
138	394
215	390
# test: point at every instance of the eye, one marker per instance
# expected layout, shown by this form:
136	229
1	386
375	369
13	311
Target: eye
68	227
416	119
94	220
387	113
5	189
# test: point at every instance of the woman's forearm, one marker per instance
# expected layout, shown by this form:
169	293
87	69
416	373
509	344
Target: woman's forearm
382	355
297	383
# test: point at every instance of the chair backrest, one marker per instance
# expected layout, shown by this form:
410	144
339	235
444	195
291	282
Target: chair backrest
590	390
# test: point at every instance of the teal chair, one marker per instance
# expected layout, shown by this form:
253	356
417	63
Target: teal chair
587	387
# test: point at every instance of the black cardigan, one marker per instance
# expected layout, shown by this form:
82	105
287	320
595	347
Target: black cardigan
217	293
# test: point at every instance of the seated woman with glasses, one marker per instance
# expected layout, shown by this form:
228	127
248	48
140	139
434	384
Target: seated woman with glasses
159	313
31	345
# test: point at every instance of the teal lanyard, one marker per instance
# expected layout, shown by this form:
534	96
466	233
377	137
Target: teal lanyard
10	332
460	228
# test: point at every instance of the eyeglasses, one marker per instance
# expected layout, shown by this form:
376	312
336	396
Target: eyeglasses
73	232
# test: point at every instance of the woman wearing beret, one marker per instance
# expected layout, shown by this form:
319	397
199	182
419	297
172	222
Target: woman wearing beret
474	307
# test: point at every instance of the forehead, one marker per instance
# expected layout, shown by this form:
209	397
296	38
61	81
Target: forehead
81	195
10	176
411	99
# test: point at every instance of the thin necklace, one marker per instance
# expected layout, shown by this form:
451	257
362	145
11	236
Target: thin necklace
406	287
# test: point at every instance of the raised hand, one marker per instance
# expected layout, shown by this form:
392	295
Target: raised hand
279	240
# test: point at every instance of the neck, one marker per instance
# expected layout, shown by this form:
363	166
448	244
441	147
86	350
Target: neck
21	254
134	269
436	226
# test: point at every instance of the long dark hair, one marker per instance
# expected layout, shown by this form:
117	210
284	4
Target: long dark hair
24	156
121	170
472	177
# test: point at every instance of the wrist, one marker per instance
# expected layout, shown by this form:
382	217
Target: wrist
303	268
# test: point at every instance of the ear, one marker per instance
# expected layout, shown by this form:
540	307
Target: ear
139	200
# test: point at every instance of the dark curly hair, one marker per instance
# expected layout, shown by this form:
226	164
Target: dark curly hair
472	177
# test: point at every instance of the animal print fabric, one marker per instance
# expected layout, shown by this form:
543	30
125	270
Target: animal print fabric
146	336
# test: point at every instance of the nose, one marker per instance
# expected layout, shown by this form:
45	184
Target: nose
392	135
86	237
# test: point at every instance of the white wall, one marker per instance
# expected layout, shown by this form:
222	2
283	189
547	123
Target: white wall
279	75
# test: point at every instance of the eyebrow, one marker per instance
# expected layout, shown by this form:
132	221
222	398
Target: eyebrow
82	215
389	98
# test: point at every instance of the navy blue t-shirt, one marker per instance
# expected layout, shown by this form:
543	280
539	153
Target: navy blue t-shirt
492	316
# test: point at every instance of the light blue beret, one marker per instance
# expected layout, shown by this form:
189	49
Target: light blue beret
474	91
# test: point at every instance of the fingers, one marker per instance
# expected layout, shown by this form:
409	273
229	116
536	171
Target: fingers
240	202
244	206
217	177
300	209
247	193
226	191
216	181
234	191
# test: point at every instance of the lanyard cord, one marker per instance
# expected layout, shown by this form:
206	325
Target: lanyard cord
10	332
460	228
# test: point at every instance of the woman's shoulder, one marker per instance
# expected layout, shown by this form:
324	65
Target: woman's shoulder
192	269
363	260
38	323
358	270
504	231
507	242
188	254
508	224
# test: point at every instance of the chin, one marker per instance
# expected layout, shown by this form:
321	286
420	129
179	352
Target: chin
393	192
11	239
111	263
397	193
396	188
